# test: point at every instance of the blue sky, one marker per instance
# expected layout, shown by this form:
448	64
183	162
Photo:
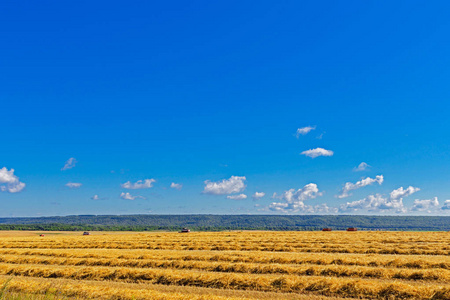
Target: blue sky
209	97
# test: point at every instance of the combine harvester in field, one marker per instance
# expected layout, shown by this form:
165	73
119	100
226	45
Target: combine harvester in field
185	230
326	229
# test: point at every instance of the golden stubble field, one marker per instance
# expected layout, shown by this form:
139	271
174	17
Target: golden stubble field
225	265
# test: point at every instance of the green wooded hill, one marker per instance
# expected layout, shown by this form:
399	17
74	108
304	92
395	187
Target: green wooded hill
227	222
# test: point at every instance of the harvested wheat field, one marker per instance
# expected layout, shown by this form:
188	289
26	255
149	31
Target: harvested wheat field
225	265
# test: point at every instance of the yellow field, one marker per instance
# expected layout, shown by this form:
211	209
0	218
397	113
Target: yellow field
226	265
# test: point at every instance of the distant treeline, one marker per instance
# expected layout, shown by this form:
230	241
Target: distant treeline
225	222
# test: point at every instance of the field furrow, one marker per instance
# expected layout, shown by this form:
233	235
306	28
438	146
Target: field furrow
262	282
226	247
137	256
436	274
56	288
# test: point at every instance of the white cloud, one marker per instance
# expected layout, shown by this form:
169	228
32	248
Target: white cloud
177	186
128	196
7	176
446	205
379	202
362	183
425	205
400	192
323	208
304	130
235	184
10	182
355	205
140	184
361	167
13	188
375	203
73	185
237	197
95	197
258	195
70	163
293	201
313	153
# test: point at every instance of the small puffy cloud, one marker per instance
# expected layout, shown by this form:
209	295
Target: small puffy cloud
7	176
10	182
401	193
70	163
258	195
177	186
362	183
313	153
73	185
140	184
237	197
13	188
425	205
128	196
446	205
235	184
304	130
361	167
293	200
